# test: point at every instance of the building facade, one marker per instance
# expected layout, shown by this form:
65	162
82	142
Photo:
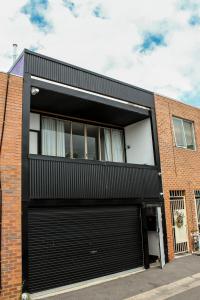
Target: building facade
179	143
80	177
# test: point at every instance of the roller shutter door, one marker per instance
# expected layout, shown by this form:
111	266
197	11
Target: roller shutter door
69	245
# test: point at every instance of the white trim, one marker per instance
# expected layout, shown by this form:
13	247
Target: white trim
13	74
84	284
88	92
183	129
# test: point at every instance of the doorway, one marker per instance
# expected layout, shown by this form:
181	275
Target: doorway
179	221
155	235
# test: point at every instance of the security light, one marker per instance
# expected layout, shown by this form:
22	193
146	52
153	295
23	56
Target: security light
34	91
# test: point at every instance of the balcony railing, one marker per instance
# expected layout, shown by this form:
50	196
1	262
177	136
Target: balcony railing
60	178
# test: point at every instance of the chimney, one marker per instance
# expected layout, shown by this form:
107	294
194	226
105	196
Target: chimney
14	52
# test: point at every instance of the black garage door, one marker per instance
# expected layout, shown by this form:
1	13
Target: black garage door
68	245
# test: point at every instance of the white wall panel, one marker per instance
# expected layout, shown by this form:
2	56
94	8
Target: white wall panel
139	143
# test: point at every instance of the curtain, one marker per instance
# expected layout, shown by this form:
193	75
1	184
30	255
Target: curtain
60	143
107	145
53	137
117	145
48	136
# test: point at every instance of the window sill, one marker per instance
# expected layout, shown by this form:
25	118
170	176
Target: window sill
184	148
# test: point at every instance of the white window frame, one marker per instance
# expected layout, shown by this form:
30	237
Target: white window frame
185	142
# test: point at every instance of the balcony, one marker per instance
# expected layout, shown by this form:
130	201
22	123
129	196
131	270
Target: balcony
61	178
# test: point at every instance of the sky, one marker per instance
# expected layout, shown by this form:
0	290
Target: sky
152	44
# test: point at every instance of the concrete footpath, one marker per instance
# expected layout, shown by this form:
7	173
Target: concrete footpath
179	279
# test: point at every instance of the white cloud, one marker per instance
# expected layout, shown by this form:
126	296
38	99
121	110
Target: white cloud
109	45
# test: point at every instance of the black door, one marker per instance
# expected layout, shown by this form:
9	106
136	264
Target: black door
68	245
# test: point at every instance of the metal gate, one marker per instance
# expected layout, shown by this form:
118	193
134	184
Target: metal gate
197	203
179	221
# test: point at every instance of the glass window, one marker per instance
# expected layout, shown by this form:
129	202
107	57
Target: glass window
184	133
117	145
48	136
35	121
189	134
68	153
92	142
33	142
106	146
78	140
112	145
34	133
53	137
69	139
60	138
179	133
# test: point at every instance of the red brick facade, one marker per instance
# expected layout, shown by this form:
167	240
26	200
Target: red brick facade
180	167
10	167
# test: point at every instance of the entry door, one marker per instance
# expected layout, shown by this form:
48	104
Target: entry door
161	240
68	245
155	234
179	221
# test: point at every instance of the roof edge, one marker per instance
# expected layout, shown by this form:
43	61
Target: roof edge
26	51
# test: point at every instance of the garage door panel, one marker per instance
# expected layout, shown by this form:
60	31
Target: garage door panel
71	245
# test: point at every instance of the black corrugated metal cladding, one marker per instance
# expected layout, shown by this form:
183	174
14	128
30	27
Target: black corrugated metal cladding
59	178
51	69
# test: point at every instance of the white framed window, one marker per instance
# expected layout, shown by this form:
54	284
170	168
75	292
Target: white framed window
72	139
33	142
34	122
184	133
34	133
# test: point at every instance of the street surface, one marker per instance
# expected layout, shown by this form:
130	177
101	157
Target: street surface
179	280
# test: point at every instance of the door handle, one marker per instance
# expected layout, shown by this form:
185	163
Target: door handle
93	251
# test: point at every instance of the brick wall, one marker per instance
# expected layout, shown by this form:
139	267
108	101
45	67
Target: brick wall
180	167
10	167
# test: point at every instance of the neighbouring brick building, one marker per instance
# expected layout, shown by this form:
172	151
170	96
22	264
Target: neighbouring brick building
179	142
10	168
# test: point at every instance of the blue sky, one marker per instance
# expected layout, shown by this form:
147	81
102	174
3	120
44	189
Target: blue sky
151	40
35	11
156	47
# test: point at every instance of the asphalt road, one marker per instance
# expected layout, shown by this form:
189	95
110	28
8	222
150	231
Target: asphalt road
193	294
148	281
